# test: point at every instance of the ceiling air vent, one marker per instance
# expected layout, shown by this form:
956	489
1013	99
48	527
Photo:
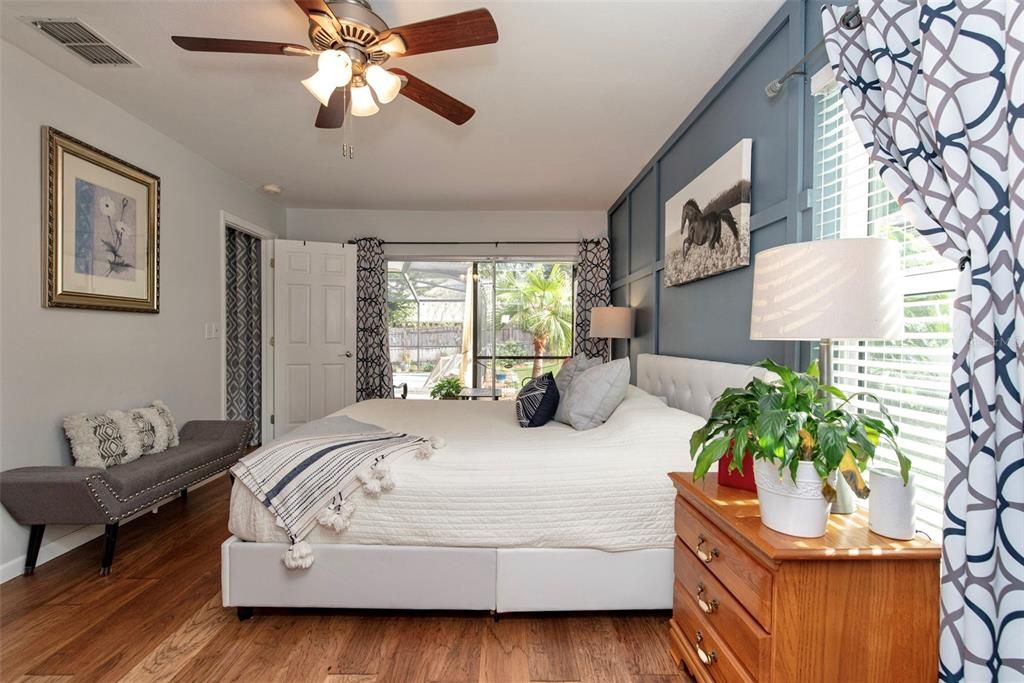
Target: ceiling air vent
82	40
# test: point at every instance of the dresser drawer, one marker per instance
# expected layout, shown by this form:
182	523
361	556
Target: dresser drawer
698	586
748	581
706	651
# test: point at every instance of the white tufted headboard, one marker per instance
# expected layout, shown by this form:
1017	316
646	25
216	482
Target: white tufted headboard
689	384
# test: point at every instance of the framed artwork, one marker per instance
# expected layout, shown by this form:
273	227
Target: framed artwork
101	226
707	223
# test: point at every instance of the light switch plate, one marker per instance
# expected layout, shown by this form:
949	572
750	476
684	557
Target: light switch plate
210	330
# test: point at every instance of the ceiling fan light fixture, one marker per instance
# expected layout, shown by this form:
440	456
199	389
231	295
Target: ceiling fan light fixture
334	70
393	45
362	101
384	83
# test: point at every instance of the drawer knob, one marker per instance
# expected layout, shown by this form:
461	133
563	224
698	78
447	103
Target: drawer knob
705	557
706	658
706	606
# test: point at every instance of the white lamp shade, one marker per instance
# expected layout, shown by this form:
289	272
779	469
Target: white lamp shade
611	322
334	70
828	289
321	86
384	83
362	102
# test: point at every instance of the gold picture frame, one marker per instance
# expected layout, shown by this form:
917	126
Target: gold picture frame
101	229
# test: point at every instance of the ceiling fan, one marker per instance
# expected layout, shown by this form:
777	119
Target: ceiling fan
351	43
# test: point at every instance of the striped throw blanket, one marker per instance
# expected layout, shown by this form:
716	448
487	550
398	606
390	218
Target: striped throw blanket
307	480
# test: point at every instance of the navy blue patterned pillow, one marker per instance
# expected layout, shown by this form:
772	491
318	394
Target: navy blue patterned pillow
537	401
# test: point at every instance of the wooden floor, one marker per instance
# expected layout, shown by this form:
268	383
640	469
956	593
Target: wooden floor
158	617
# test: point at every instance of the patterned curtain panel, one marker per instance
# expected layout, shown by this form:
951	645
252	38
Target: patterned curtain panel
935	91
243	329
373	357
593	288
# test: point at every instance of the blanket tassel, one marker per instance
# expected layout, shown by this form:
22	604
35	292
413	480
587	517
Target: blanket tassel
337	517
299	556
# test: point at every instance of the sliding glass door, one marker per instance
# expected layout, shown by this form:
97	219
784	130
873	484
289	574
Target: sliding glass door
491	323
524	322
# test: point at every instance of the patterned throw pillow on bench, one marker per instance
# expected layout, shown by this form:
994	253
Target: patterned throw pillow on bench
116	437
103	440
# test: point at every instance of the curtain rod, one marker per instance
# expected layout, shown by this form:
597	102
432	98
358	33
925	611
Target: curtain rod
850	20
494	242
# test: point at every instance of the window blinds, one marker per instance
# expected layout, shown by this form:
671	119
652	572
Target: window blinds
911	376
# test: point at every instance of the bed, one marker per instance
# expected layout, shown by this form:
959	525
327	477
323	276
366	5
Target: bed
502	518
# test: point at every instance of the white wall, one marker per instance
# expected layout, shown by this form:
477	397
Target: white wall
338	225
61	361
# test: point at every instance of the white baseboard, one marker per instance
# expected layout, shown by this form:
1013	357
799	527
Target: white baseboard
80	536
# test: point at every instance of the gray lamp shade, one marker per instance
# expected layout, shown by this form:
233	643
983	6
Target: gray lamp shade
828	289
611	322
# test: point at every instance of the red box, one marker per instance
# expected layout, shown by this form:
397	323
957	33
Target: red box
737	480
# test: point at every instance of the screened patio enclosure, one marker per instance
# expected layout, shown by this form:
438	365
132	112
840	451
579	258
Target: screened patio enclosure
491	323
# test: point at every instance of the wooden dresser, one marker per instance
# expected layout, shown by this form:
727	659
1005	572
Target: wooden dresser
751	604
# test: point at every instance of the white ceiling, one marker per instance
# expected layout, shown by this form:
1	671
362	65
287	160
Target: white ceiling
574	98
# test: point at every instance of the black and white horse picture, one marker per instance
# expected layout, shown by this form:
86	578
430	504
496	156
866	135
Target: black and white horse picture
704	238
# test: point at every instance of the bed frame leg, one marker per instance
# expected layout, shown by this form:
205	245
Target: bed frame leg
495	617
244	613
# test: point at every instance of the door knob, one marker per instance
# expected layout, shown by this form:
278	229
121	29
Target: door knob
348	354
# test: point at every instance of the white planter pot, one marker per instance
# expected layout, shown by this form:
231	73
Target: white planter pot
791	507
891	505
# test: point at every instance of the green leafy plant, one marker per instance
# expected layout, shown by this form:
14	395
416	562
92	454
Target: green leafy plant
793	420
446	387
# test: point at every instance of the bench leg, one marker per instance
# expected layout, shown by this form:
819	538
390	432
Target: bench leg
109	542
244	613
35	541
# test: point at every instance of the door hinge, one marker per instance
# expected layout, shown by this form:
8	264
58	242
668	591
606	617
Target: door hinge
271	419
271	341
271	261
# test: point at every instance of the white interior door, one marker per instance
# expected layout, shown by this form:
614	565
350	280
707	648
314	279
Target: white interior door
314	331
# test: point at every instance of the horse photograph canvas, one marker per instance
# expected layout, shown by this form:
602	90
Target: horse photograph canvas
707	223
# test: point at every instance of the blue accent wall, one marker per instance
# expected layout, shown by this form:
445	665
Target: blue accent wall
710	319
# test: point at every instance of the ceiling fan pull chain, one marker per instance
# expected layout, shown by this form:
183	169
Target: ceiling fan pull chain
348	148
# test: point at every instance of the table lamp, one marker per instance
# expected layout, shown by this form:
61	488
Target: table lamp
611	322
826	290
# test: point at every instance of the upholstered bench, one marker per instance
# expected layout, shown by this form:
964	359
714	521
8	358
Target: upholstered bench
37	496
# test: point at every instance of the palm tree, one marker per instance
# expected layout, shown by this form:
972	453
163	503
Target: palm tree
539	302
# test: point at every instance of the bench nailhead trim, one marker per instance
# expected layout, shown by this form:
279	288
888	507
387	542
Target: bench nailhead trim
246	437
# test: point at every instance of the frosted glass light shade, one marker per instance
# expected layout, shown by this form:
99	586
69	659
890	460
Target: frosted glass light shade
828	289
334	70
320	86
611	322
362	102
384	83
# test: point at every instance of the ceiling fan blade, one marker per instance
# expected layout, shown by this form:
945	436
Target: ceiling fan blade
465	29
428	96
254	47
333	115
319	12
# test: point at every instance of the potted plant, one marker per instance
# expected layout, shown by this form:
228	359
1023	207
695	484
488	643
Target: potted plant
446	388
799	440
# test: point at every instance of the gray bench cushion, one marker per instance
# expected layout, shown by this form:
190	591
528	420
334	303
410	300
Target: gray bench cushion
83	495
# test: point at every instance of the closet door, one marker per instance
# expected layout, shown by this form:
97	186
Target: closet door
314	331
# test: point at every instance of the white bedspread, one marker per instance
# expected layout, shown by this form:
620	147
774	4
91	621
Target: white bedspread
496	484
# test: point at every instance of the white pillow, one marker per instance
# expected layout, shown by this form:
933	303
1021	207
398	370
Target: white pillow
595	394
102	440
573	368
172	429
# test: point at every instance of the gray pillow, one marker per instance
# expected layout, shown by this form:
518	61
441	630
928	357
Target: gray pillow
595	394
573	368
